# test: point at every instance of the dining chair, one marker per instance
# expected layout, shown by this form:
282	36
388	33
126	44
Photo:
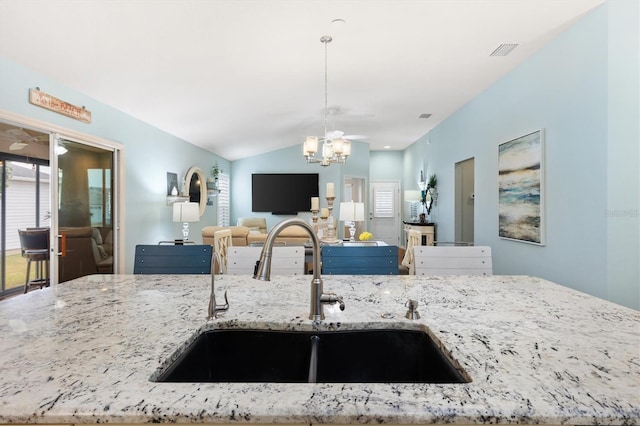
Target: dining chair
414	238
172	259
286	260
453	260
222	240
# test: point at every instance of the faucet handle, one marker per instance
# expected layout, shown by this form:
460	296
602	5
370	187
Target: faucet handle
332	298
340	302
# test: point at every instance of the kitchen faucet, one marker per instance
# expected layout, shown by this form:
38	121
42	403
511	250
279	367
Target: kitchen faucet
318	297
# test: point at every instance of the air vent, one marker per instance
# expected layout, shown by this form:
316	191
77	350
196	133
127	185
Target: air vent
424	116
504	49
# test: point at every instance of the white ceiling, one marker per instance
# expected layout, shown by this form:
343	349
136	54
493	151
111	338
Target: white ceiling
244	77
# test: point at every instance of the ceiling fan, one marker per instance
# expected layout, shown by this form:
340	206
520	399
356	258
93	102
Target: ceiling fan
21	138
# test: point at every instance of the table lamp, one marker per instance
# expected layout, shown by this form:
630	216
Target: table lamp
351	212
185	213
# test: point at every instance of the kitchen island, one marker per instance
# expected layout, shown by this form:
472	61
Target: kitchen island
536	352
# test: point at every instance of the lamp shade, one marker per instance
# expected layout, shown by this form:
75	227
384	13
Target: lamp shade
186	212
351	212
346	211
359	212
411	195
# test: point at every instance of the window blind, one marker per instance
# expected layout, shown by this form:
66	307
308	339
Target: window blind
383	202
223	200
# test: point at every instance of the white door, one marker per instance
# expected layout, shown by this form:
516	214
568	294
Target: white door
464	200
384	211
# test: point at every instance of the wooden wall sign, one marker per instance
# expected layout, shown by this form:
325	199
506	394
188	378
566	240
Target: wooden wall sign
41	99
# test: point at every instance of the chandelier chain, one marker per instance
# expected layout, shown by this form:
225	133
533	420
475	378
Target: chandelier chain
326	40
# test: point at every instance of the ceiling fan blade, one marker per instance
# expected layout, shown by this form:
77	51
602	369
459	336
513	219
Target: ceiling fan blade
18	133
334	134
16	146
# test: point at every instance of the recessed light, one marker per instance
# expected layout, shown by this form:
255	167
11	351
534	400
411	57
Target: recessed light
338	21
387	147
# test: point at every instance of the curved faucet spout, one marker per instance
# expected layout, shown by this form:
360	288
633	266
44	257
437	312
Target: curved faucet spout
318	297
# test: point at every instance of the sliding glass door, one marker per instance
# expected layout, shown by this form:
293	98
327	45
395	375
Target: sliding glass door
63	183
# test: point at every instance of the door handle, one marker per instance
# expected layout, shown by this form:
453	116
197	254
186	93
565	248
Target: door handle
62	245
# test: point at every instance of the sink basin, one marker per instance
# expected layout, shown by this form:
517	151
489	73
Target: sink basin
355	356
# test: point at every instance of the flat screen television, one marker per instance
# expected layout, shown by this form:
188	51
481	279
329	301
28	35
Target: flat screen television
283	193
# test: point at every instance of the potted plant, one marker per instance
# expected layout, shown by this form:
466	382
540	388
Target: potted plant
215	173
431	194
433	181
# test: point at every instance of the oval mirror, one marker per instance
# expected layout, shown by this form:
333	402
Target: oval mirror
197	186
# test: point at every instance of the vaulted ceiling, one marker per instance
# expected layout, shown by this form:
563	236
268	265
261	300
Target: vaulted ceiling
244	77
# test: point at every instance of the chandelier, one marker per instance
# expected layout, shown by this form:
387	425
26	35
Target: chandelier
335	149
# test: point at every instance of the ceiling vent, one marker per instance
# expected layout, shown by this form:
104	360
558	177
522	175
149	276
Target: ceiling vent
424	116
504	49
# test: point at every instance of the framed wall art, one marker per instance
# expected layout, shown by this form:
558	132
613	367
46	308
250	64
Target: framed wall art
521	189
172	182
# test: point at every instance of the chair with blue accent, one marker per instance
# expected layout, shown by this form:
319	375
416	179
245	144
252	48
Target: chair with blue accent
173	259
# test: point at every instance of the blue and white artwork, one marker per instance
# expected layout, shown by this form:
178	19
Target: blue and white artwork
520	189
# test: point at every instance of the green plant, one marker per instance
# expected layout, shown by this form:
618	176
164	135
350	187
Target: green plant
433	181
216	170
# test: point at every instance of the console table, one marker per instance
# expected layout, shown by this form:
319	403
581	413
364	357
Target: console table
427	229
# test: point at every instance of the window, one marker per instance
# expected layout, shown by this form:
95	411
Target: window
223	200
99	184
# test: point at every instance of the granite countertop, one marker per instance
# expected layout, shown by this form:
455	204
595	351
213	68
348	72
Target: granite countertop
537	352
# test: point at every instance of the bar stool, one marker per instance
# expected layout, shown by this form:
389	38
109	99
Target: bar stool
35	248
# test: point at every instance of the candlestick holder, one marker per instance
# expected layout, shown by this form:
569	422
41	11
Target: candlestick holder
314	221
330	236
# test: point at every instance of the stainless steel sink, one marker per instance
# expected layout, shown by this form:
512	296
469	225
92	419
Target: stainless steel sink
355	356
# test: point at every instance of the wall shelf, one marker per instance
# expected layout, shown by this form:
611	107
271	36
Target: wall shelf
171	199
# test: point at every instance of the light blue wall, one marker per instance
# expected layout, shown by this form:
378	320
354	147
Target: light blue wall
291	160
386	165
566	90
622	216
149	154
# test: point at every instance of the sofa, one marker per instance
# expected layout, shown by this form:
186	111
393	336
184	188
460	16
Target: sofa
253	223
244	236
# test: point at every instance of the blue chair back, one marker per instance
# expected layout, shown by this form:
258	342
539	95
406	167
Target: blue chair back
173	259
